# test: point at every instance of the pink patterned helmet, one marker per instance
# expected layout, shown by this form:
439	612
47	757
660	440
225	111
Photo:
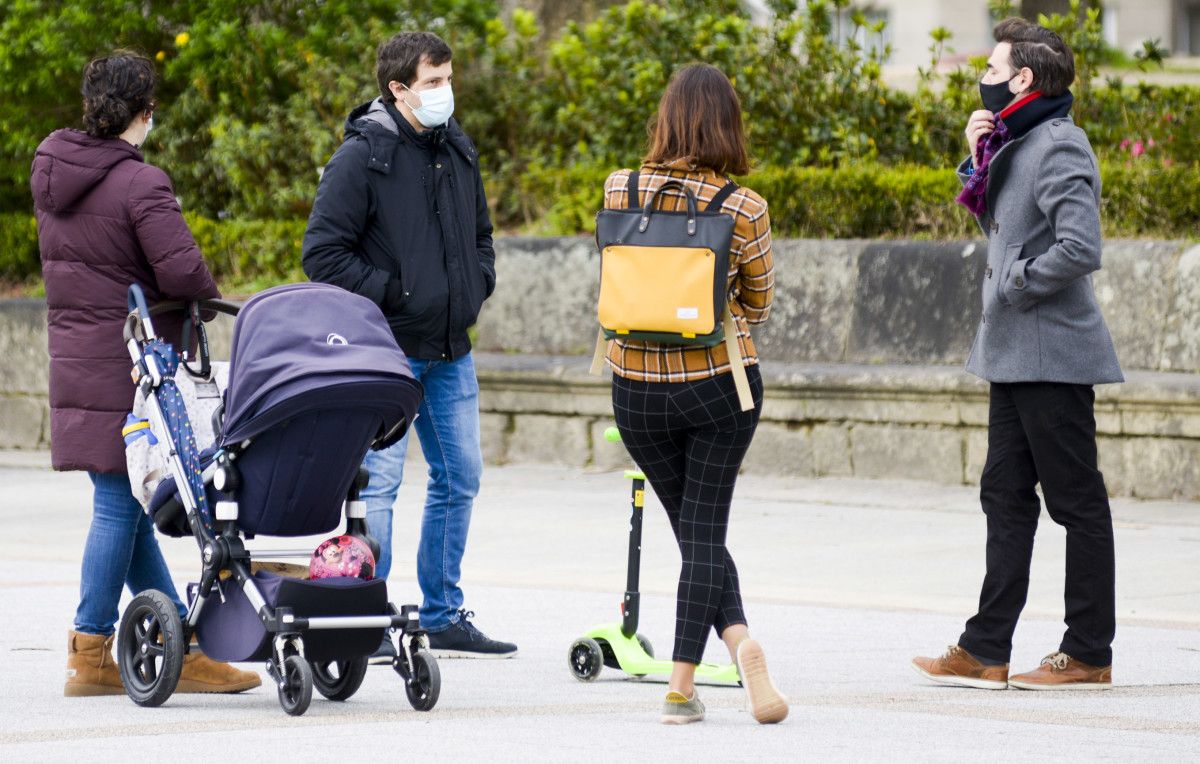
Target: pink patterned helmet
342	556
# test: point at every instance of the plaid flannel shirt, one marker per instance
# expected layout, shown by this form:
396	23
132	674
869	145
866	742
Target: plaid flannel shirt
751	277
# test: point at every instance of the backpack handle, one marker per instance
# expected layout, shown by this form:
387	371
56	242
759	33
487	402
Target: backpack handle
648	209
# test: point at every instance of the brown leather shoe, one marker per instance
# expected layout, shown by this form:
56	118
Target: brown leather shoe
202	674
91	669
959	667
1060	671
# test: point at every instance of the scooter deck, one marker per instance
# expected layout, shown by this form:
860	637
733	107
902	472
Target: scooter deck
636	662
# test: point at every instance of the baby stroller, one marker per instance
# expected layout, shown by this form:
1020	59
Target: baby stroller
315	380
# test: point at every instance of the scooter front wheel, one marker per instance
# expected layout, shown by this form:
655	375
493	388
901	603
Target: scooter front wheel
585	659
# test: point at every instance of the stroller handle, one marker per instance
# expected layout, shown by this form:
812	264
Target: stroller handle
139	310
228	307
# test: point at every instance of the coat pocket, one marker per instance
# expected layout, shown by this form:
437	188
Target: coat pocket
1012	253
997	253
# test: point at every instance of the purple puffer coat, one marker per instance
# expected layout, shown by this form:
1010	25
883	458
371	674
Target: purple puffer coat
106	219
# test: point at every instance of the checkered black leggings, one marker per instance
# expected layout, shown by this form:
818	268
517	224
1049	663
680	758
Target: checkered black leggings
689	438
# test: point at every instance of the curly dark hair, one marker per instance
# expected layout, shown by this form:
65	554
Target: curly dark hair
116	88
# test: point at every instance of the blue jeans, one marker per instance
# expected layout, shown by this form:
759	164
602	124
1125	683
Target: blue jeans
120	550
447	425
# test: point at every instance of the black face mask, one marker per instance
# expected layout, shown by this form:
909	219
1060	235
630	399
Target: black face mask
996	96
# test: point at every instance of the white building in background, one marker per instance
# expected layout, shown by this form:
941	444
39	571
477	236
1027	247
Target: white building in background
1127	23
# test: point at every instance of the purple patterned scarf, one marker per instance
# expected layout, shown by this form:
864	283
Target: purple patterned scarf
1011	124
974	193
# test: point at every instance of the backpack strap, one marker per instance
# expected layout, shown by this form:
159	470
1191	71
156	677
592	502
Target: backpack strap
714	205
599	354
632	195
734	348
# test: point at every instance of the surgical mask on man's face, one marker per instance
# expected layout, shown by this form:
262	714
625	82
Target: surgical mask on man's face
436	106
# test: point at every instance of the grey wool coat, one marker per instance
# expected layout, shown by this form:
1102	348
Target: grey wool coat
1041	321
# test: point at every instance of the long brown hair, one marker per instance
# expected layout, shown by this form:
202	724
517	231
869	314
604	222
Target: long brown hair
700	119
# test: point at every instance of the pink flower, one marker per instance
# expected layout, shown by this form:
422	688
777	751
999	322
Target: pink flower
1138	149
1124	144
1150	143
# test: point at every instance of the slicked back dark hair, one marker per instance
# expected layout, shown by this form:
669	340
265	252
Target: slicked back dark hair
400	57
116	88
1042	51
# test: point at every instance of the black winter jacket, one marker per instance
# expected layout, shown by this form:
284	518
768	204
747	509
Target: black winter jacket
401	218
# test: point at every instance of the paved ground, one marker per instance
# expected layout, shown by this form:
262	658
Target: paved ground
845	581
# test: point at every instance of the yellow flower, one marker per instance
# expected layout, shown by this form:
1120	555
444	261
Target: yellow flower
160	56
182	38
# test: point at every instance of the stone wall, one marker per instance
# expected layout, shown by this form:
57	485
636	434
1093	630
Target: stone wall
862	359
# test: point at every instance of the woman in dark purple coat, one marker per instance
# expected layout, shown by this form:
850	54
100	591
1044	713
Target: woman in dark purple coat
107	219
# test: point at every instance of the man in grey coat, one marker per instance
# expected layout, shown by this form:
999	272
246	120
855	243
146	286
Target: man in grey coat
1033	183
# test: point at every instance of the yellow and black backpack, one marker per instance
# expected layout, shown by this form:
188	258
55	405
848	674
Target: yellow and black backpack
663	275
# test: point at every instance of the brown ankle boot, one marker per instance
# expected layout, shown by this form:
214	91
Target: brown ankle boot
91	669
203	674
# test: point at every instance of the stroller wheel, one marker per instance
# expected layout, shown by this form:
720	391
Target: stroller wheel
426	682
150	648
338	680
586	659
295	686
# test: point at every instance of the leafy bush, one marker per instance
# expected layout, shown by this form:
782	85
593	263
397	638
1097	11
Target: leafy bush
250	252
18	246
254	95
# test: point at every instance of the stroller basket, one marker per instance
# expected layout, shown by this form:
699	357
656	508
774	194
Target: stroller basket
234	632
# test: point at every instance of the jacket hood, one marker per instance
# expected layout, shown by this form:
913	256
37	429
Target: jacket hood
69	164
371	112
375	122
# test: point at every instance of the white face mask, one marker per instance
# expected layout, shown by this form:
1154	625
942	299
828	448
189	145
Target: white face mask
436	106
149	125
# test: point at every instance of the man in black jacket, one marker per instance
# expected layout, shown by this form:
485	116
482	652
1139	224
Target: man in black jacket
400	217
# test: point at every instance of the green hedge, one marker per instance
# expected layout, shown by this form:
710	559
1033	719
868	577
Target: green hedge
251	254
1140	200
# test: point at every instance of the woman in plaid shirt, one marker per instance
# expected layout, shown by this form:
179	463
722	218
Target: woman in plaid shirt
676	405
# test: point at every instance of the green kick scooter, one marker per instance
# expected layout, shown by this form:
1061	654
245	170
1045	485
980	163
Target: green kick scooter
618	645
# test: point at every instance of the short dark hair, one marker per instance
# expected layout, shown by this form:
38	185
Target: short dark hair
116	88
700	120
1042	51
400	57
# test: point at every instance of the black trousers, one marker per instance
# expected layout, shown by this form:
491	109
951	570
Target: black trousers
689	438
1045	433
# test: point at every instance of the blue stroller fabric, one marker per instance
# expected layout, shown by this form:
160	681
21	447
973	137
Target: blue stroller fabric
294	340
179	427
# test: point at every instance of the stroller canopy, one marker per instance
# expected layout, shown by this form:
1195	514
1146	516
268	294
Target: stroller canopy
304	347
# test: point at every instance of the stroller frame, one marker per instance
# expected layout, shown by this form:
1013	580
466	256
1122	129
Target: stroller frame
151	630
